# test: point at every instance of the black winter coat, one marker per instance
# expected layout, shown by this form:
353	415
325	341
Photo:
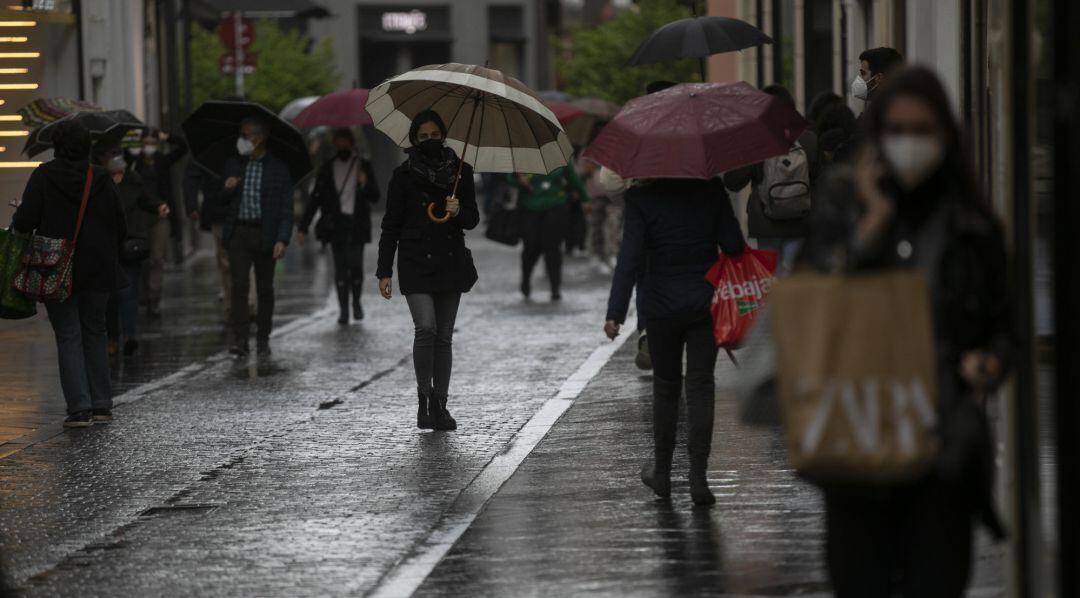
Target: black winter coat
673	229
50	206
333	226
140	209
962	250
432	258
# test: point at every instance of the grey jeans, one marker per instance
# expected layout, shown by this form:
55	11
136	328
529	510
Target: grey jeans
433	352
81	339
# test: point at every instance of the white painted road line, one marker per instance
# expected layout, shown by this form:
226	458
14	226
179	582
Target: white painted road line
409	574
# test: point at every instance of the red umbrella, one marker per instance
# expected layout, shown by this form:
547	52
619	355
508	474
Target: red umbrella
696	130
564	111
338	109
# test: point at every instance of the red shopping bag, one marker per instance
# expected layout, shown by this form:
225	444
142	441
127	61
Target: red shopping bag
742	284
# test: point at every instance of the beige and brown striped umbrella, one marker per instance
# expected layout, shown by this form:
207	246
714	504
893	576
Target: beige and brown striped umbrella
496	123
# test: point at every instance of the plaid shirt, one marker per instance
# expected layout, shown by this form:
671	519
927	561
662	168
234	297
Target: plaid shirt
250	202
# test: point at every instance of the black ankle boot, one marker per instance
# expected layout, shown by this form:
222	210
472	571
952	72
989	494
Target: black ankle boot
657	479
343	303
441	418
358	310
699	487
424	418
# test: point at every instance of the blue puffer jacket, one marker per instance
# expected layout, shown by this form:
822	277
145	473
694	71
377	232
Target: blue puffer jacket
674	230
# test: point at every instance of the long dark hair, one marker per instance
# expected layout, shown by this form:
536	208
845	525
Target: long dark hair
922	84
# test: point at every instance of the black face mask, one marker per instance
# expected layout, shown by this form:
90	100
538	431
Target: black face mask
344	154
432	148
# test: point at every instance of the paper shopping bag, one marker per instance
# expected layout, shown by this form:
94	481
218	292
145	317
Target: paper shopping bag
856	375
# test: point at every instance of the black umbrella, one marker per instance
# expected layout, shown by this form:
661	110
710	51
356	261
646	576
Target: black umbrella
107	123
212	130
698	37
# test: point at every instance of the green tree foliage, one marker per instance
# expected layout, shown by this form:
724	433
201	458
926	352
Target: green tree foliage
287	69
593	60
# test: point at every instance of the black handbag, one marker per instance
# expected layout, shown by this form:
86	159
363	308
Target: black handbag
135	249
504	227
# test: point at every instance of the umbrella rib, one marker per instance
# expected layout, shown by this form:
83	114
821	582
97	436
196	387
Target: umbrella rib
403	101
479	134
509	136
450	126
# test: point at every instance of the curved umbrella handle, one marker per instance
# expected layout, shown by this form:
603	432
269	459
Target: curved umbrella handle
431	215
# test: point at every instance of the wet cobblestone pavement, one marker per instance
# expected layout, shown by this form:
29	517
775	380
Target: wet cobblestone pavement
303	474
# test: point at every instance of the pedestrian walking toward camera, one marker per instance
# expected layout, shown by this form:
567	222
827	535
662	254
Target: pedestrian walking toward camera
154	168
544	207
425	226
910	202
141	212
69	199
677	227
258	226
344	190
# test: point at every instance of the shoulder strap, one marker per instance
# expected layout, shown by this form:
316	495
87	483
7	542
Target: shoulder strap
85	200
345	182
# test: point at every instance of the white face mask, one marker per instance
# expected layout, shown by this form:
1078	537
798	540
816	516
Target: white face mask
244	146
135	151
859	89
116	164
913	158
149	150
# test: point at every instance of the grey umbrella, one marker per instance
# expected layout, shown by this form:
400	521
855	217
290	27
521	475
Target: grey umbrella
698	37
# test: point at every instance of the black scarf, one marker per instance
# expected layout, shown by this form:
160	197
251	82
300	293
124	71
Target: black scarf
439	172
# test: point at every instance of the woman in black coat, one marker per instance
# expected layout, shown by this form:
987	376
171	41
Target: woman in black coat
910	202
677	227
425	225
50	207
344	191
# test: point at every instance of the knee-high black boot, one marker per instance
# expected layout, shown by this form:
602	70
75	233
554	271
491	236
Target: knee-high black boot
657	475
700	399
343	301
357	308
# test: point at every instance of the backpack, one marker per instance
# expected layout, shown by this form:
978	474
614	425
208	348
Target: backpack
785	187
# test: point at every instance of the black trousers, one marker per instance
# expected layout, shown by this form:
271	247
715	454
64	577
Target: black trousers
246	251
914	542
348	271
668	339
543	232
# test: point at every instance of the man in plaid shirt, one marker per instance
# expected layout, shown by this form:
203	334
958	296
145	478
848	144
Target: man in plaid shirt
258	225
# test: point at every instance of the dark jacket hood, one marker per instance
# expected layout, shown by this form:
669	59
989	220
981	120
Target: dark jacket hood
67	178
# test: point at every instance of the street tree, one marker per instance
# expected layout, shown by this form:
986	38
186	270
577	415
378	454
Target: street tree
289	65
592	61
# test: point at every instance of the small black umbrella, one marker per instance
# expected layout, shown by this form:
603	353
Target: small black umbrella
107	123
213	128
698	37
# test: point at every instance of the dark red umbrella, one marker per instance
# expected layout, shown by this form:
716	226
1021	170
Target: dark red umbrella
696	130
338	109
565	112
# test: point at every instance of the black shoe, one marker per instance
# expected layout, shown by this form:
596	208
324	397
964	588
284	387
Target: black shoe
343	319
699	490
81	419
239	349
660	482
102	416
131	346
556	296
442	420
423	412
263	349
526	290
358	311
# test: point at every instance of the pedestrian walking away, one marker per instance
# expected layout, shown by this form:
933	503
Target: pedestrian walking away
434	266
544	208
345	188
51	206
154	168
910	202
257	191
676	226
781	192
141	212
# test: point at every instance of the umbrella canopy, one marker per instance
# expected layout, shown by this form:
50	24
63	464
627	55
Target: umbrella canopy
43	111
696	130
598	108
564	111
212	130
698	37
105	123
338	109
295	107
495	123
597	113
